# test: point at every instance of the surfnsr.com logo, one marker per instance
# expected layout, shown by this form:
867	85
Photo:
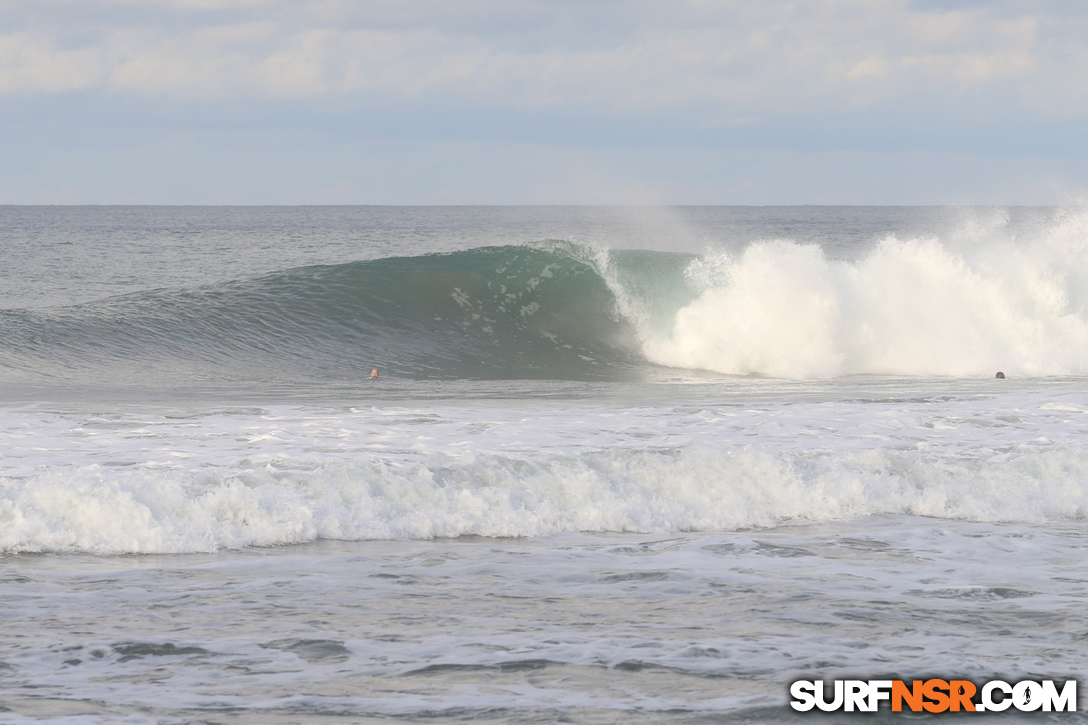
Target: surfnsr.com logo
934	696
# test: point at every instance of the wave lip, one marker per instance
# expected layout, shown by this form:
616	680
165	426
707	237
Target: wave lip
503	312
558	310
910	307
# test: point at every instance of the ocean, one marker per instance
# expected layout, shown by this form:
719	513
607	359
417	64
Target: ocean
648	465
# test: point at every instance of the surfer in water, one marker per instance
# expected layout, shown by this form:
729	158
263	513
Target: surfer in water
374	374
1000	375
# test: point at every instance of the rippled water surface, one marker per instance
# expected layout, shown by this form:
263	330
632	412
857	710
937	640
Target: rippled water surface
573	628
646	465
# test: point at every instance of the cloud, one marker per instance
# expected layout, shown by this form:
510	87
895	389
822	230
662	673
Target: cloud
541	101
31	62
719	61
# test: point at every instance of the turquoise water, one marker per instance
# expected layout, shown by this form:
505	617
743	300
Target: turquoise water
643	463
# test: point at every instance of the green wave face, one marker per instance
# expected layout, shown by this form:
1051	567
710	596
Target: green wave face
544	311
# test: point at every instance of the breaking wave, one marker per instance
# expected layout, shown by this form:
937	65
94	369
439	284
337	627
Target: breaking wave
565	311
107	511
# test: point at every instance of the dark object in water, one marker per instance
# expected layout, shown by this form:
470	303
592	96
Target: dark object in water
1000	375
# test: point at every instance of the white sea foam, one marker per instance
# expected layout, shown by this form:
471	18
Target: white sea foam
146	481
677	628
986	581
912	306
105	511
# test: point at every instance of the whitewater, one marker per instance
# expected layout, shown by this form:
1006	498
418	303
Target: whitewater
649	463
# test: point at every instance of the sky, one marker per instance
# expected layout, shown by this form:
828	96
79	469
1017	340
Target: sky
543	102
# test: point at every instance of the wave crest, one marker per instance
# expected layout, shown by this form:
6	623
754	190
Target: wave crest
109	511
563	311
911	307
